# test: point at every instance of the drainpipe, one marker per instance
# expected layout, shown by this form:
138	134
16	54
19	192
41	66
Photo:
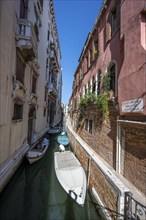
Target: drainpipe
118	146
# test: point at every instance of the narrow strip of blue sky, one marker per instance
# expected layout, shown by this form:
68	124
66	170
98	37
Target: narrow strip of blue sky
75	19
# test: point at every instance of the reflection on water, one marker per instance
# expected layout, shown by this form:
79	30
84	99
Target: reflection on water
34	193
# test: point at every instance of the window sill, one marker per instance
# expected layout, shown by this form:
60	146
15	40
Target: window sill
16	120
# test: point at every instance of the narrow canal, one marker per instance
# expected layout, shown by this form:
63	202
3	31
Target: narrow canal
34	193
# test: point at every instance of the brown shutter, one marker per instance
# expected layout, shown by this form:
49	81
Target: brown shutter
108	28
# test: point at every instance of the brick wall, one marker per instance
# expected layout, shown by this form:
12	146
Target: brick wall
103	142
135	155
103	138
98	179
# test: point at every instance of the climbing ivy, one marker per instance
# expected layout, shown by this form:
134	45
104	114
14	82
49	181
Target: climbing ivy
101	101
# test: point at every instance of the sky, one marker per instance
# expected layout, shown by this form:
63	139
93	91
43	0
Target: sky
74	20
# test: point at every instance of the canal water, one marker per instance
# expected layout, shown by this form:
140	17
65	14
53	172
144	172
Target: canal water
34	193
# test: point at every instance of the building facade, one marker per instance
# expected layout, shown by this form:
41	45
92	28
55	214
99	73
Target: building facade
30	77
108	102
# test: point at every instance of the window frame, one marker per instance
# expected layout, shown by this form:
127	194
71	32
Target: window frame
18	111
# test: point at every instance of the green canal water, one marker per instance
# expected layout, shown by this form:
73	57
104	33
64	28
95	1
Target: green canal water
34	193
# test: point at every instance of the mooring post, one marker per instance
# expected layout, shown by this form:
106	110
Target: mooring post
128	205
89	171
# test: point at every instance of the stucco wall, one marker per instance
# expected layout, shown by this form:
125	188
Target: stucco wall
132	79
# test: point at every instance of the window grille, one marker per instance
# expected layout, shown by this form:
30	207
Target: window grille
18	111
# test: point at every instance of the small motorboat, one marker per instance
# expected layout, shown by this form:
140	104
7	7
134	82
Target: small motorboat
37	151
63	139
71	175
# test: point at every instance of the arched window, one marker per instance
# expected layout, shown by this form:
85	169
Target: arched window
112	75
93	84
89	87
98	81
85	90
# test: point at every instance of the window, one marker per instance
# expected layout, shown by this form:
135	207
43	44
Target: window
87	64
95	44
18	111
89	87
98	82
95	54
90	54
44	112
112	78
34	81
37	23
90	126
81	72
23	9
45	97
86	124
85	90
93	84
143	28
41	3
113	21
48	35
20	69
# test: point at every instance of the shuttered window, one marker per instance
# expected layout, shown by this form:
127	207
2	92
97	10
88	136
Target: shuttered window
23	9
113	21
98	82
34	81
108	28
20	69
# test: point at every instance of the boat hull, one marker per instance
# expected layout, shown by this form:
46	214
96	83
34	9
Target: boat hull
63	139
71	175
54	131
35	154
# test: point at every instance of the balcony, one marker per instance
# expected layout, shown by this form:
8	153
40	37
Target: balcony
54	59
52	91
26	39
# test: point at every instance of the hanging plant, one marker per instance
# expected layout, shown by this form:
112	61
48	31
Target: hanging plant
102	102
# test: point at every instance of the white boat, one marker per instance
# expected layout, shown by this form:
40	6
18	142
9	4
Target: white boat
71	175
37	151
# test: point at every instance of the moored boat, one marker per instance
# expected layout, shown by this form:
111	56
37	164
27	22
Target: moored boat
71	175
63	139
54	131
37	151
